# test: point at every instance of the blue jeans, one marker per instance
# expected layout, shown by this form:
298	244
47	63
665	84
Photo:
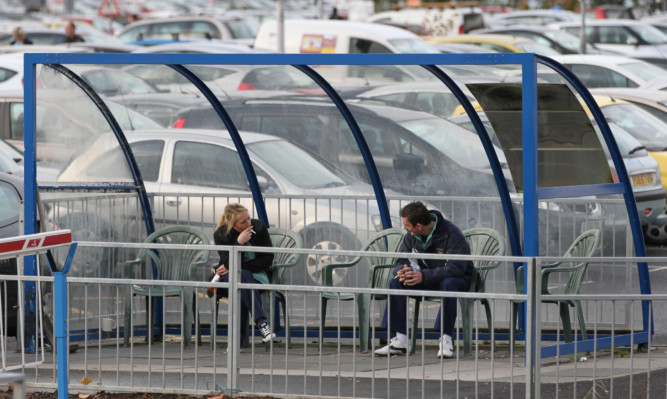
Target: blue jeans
398	321
249	298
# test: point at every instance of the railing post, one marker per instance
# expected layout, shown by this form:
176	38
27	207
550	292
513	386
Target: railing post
60	316
531	336
233	318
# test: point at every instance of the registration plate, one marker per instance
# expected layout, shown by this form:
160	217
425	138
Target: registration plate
644	179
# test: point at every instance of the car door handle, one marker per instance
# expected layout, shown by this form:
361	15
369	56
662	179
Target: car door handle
174	201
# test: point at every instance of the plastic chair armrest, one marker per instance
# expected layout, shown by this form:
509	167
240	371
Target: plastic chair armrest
327	271
128	268
373	269
547	272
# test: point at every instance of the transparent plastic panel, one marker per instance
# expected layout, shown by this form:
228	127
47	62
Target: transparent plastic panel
569	150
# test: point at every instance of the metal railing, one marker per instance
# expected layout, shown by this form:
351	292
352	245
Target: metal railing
328	362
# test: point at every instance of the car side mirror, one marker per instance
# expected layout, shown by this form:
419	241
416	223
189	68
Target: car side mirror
632	41
263	182
408	162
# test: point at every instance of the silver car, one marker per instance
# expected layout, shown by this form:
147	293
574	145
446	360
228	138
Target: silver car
192	174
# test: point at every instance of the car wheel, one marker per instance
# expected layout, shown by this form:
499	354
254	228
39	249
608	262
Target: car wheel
655	235
329	238
89	261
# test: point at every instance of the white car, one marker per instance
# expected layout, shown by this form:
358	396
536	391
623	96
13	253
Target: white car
623	36
610	70
531	17
192	174
653	101
11	72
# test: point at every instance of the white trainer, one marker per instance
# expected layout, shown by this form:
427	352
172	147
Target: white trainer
395	347
446	347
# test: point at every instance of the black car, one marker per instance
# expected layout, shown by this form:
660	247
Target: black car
416	153
11	195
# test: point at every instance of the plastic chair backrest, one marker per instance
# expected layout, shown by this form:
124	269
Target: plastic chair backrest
484	242
283	238
583	247
177	264
388	240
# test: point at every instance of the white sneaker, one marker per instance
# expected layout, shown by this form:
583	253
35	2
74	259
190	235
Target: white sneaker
265	330
446	347
395	347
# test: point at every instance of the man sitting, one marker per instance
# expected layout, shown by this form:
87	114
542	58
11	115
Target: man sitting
428	232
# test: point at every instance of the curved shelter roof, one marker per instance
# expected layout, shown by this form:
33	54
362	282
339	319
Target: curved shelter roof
536	140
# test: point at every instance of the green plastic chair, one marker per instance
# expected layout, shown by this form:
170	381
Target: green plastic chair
583	246
388	240
483	242
171	265
280	238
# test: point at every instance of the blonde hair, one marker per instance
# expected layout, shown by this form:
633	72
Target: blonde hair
230	215
18	31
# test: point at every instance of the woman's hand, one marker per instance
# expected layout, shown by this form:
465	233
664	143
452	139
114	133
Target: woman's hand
221	270
245	235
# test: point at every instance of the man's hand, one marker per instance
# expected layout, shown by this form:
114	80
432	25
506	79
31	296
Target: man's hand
411	277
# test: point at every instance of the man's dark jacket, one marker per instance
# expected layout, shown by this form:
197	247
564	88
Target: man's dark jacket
446	239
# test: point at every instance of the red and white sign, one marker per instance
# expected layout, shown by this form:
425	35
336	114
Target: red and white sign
34	243
109	8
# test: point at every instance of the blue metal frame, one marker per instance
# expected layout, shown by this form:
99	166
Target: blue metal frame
528	63
236	138
120	136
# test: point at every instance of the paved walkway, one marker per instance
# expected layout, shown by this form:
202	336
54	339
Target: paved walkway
339	371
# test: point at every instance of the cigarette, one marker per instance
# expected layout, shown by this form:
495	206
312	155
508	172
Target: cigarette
252	231
395	277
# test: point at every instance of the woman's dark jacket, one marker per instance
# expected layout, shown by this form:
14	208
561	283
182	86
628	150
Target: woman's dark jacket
262	260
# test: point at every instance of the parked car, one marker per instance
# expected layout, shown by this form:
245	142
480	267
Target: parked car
224	80
190	27
610	70
113	81
434	22
561	41
623	36
62	128
427	97
162	108
415	152
644	173
205	168
651	132
499	43
11	73
531	17
199	46
11	196
653	101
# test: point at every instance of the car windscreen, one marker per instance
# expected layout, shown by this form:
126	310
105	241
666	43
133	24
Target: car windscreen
461	145
532	47
242	29
649	34
9	204
410	45
565	39
296	165
627	145
646	128
644	70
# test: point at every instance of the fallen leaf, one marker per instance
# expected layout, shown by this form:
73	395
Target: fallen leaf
86	380
221	396
84	396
